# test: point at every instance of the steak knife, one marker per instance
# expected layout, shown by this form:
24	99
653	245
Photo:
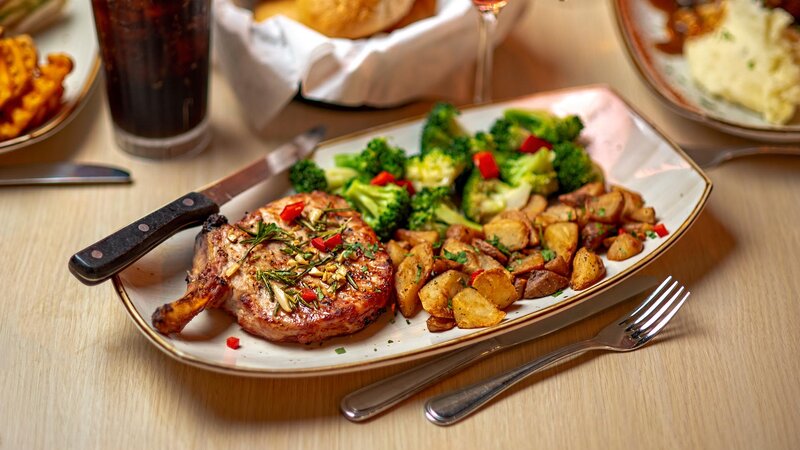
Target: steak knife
107	257
62	173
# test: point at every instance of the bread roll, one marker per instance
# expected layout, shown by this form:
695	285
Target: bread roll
269	8
422	9
352	19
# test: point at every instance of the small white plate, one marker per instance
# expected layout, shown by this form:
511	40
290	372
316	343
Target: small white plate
73	33
642	26
630	150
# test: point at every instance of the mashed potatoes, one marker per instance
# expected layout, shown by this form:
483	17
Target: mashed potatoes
748	59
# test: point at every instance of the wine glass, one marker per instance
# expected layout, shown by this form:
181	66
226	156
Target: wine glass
488	9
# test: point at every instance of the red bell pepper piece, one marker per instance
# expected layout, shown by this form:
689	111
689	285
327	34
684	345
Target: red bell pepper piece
533	144
333	241
308	294
292	211
232	342
486	164
319	244
406	184
660	230
474	275
382	179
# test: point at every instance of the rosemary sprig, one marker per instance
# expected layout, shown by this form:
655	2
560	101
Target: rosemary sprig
264	232
351	281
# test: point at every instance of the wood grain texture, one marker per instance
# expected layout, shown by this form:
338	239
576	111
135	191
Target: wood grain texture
77	374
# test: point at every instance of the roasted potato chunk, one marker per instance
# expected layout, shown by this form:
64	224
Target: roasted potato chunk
561	213
624	246
632	200
396	252
587	269
593	233
558	265
646	215
542	283
497	285
519	285
526	264
562	238
437	294
411	275
442	265
463	233
536	205
638	230
511	233
416	237
486	262
455	247
606	208
490	250
439	324
578	197
473	310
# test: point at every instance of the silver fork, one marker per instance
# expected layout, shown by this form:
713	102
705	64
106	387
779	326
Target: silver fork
708	157
629	332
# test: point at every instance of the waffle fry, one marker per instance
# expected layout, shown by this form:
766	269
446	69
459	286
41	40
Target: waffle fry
29	93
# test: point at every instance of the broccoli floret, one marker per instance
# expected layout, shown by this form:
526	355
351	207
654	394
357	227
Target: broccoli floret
441	127
533	169
573	166
483	199
508	136
377	157
432	209
545	125
307	176
339	176
435	168
384	208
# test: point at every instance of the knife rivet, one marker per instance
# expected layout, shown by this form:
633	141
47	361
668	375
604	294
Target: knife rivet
188	202
96	254
144	228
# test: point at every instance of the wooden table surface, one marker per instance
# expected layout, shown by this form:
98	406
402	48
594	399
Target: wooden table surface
78	374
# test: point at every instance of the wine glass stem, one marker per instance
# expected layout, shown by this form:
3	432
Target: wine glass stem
483	72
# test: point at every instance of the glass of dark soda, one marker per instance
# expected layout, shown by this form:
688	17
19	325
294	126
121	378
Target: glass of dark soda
155	54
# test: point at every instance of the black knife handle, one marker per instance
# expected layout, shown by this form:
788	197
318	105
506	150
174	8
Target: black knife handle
109	256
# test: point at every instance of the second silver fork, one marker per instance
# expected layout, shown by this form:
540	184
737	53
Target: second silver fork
627	333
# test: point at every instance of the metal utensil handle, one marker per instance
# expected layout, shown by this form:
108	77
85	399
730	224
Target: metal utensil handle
454	406
375	398
107	257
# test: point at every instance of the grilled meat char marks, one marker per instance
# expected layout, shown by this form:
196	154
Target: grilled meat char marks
223	277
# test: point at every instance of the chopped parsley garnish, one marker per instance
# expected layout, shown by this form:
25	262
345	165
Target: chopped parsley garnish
548	254
340	350
438	244
558	292
495	241
351	249
601	212
419	274
460	257
651	234
726	35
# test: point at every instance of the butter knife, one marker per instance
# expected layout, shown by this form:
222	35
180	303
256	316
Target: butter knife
107	257
62	173
373	399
